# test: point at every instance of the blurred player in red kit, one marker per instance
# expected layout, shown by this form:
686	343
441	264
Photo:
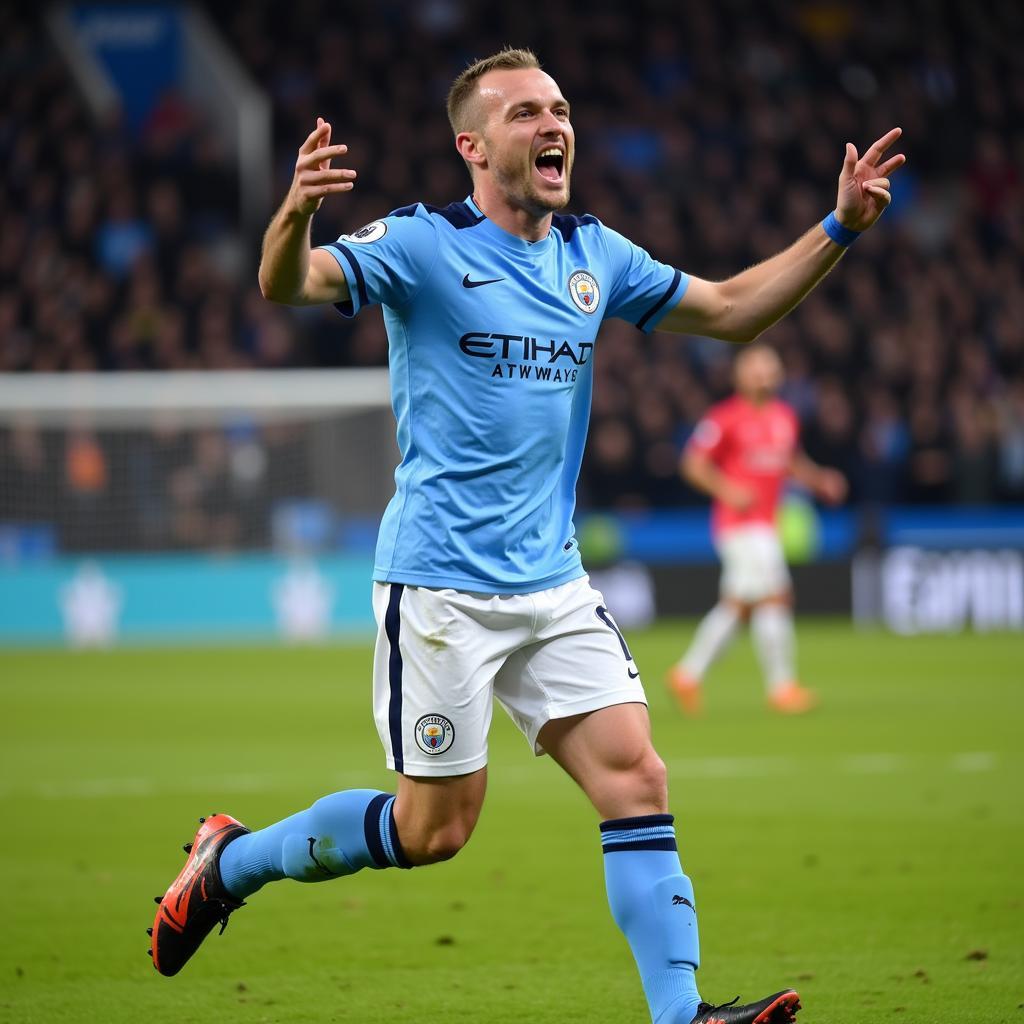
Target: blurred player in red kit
741	454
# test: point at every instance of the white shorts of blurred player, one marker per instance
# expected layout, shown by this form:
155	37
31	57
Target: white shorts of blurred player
753	564
443	655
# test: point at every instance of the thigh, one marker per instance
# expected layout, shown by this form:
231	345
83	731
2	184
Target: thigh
436	656
578	661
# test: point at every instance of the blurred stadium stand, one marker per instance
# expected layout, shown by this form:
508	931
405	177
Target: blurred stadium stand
709	133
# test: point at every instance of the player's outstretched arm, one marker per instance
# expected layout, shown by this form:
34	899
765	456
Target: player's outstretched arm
289	271
827	484
740	308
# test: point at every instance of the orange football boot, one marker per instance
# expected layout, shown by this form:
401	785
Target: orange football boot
686	691
792	699
197	899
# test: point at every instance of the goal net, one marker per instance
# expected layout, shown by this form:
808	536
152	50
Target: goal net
172	484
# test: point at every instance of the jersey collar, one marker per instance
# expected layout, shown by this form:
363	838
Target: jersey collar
503	237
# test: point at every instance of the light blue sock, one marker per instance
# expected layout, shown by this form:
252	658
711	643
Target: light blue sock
339	835
652	902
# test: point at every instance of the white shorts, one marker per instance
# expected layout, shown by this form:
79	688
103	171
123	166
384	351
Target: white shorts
442	655
753	565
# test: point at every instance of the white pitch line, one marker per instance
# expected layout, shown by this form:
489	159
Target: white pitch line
731	767
93	789
978	761
873	764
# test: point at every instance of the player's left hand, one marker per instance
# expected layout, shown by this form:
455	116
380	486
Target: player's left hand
864	182
832	486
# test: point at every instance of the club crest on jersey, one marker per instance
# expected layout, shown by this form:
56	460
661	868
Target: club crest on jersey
584	291
368	233
434	734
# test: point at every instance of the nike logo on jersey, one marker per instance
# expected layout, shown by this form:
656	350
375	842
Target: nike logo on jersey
466	283
679	901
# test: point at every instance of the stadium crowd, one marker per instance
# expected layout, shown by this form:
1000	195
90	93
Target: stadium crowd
710	134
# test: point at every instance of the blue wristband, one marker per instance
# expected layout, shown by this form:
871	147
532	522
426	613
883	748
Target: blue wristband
836	231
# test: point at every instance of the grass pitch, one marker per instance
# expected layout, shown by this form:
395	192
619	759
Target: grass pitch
869	854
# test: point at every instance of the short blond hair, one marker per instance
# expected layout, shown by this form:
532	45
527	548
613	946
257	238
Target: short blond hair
463	89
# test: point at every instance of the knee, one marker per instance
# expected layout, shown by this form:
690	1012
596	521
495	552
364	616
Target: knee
638	786
649	781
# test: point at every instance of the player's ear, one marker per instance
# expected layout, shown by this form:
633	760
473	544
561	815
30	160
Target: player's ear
471	148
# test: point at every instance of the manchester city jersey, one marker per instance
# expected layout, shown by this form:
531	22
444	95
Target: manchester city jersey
491	346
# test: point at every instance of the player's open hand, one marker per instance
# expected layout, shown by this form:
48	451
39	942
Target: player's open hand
831	486
738	496
314	177
864	182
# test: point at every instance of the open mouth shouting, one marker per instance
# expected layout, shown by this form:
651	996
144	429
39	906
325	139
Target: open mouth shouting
550	164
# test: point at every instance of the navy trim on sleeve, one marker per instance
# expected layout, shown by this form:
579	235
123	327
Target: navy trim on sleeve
356	270
642	322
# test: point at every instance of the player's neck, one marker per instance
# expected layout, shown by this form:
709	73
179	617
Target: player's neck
513	219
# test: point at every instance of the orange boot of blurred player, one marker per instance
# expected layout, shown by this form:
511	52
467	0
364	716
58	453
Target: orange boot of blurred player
792	699
686	690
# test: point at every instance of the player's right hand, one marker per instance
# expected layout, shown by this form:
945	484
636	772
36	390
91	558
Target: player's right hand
314	177
738	497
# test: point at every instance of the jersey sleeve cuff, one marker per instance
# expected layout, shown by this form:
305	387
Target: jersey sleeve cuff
357	297
673	294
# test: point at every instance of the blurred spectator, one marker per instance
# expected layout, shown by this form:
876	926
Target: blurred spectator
884	448
930	464
122	237
84	508
830	436
28	475
974	455
1010	413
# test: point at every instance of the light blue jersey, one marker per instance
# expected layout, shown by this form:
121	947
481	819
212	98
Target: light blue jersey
491	342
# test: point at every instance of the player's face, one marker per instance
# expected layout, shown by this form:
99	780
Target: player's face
758	374
528	138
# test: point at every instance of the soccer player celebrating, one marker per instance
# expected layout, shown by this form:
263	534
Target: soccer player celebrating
492	307
741	454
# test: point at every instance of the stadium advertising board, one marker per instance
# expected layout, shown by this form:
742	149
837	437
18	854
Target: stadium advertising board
914	590
94	602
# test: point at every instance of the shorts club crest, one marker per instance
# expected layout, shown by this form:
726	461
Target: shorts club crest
434	734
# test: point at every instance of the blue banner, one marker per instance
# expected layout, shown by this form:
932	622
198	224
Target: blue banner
140	48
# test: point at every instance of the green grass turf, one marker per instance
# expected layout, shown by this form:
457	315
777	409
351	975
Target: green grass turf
869	854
